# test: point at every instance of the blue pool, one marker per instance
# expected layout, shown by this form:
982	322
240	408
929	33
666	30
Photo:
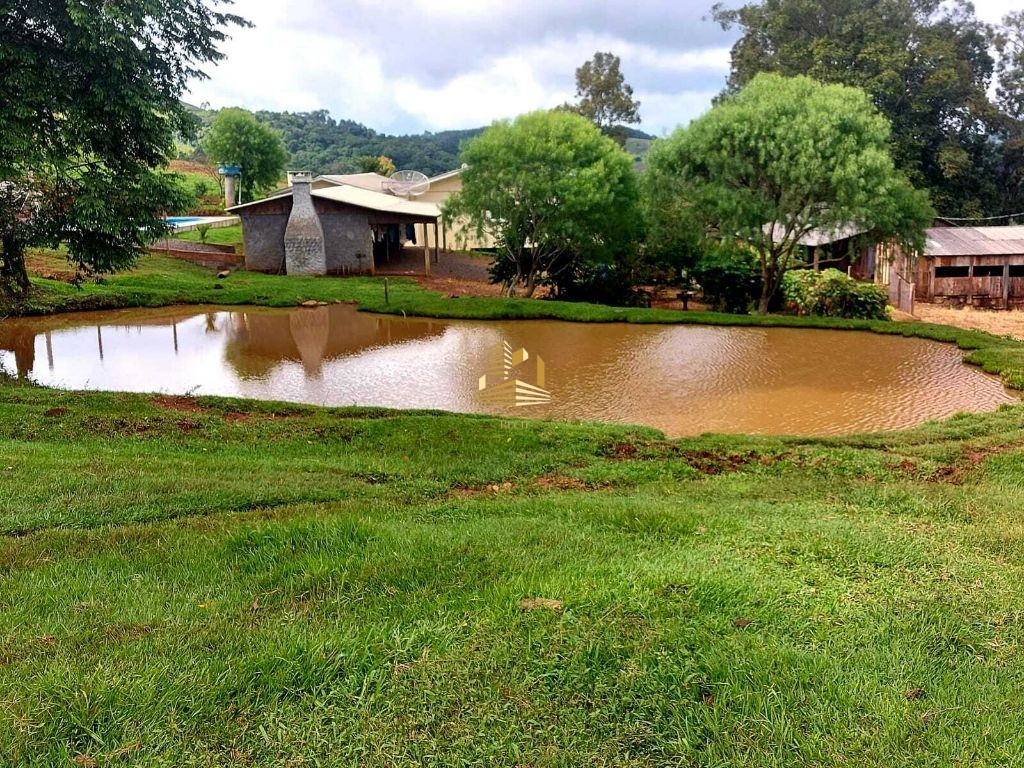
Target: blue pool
176	221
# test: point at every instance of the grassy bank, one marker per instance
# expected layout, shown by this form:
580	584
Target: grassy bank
228	583
160	281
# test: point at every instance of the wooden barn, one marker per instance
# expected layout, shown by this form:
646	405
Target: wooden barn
973	266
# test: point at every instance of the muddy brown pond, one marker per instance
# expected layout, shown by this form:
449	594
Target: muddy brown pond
683	380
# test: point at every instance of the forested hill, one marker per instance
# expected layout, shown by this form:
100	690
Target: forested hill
321	144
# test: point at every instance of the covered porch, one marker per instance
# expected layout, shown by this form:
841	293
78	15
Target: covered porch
395	253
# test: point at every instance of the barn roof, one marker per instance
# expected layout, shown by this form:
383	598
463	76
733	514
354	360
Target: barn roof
818	237
975	241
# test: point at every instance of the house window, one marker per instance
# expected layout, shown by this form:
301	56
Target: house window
988	270
952	271
1017	270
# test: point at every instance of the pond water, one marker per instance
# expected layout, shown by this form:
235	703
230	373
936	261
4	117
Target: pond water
684	380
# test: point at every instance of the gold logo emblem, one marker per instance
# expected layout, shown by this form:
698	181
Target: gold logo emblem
508	381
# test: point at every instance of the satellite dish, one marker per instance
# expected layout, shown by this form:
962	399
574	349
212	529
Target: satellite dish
407	184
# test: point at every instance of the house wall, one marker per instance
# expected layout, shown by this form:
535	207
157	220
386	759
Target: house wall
347	239
263	230
457	235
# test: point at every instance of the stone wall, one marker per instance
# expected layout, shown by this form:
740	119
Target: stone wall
347	239
304	250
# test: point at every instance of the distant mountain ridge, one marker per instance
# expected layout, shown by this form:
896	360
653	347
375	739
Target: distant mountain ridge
320	143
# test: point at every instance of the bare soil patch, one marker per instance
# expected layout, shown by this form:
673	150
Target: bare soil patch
178	403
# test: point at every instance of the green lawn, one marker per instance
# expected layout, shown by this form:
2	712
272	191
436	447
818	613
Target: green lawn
215	236
218	582
234	583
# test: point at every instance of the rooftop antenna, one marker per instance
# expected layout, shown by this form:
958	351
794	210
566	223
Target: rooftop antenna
407	184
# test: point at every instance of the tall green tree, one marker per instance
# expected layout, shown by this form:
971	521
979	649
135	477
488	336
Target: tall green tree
926	64
551	191
1009	39
89	109
778	159
605	98
237	137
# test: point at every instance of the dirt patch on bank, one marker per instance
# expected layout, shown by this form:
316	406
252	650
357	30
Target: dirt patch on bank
455	287
178	403
186	404
956	472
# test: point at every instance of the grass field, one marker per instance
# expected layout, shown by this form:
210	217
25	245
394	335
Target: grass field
222	583
214	582
215	236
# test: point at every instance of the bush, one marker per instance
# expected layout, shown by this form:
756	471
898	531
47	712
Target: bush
830	293
729	277
609	284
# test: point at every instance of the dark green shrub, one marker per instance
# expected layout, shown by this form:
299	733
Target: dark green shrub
831	293
729	277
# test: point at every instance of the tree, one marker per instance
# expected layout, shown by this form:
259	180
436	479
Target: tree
237	137
605	98
782	157
381	164
1009	40
926	64
89	109
551	191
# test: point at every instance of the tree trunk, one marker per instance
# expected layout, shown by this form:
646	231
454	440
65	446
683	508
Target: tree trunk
531	285
13	275
767	290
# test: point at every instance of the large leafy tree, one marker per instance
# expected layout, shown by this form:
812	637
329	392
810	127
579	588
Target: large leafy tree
1009	39
551	191
926	64
778	159
238	137
89	109
605	98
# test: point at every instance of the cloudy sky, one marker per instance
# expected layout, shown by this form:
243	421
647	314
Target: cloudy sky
404	66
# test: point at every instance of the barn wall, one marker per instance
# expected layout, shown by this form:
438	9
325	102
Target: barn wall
987	291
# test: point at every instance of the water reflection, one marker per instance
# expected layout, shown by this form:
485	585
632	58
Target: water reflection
683	380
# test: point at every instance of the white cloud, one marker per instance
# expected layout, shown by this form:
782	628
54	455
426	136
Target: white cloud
295	59
506	88
409	65
993	11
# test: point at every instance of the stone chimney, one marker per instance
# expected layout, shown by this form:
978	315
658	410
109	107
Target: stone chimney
304	237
